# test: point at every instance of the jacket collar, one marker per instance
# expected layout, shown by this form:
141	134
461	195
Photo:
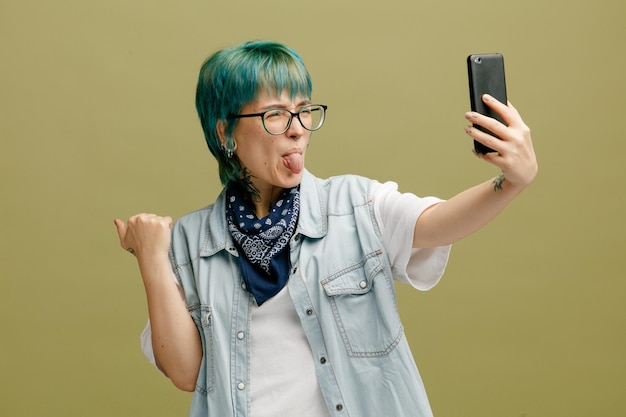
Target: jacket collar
312	220
216	235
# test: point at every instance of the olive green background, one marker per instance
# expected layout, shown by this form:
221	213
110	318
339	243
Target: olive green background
98	121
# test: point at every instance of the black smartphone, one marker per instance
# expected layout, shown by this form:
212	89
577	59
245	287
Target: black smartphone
486	76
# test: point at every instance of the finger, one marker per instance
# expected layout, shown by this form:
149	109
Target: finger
491	157
479	122
138	217
485	138
121	229
507	112
495	126
495	104
150	219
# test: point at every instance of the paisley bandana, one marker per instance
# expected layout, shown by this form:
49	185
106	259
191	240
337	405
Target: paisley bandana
263	243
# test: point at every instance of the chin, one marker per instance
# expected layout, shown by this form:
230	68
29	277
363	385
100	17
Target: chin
291	180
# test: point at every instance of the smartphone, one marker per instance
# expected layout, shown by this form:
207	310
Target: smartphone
486	76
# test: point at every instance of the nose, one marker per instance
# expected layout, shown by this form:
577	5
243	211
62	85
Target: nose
295	130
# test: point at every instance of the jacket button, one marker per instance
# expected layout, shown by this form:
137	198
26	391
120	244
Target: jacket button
339	407
309	312
241	335
241	386
322	360
363	284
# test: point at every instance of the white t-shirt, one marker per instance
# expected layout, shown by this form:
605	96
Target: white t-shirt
282	370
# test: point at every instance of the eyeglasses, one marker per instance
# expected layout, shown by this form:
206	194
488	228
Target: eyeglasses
277	121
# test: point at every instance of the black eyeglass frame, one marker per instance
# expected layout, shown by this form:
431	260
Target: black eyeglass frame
291	115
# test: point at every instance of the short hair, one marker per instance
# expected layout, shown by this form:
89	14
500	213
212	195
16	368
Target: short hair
234	77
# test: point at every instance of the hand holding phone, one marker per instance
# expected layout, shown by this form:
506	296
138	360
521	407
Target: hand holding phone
486	76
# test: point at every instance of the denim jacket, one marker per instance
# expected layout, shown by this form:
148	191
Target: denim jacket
343	291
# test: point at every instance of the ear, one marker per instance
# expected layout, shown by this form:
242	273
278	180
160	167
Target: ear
220	127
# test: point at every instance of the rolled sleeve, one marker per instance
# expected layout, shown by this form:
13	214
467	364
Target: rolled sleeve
397	214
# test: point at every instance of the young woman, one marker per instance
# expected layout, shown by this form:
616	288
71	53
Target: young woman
281	300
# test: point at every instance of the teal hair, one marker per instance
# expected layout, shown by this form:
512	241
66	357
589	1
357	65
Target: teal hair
234	77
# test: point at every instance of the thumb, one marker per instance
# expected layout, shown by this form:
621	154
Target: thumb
121	229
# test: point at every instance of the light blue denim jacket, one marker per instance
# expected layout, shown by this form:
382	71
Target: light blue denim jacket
342	288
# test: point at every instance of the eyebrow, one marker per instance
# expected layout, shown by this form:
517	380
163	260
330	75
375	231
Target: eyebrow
282	106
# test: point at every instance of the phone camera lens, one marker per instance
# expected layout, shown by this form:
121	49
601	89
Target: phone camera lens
478	60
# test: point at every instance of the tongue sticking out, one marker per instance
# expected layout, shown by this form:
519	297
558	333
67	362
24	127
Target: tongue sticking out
294	162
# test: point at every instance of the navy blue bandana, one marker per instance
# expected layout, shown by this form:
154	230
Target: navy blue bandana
263	243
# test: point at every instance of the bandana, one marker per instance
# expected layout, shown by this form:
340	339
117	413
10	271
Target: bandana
264	243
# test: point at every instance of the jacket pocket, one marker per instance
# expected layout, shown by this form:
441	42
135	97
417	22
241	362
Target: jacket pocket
202	316
364	306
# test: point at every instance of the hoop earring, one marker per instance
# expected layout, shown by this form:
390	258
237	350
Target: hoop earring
228	151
